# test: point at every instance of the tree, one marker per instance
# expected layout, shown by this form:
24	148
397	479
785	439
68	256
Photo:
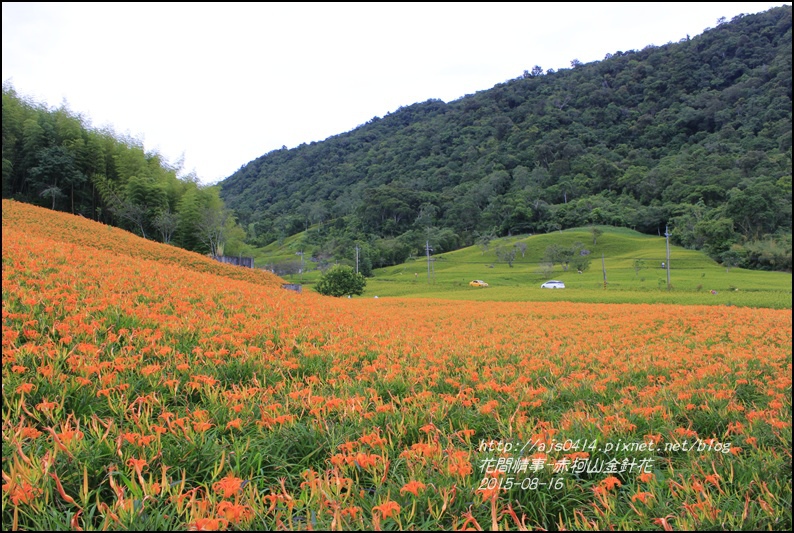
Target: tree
121	205
554	254
508	255
484	239
322	259
55	170
211	228
565	257
188	215
580	257
639	264
581	262
716	234
758	209
597	232
731	258
138	202
166	223
427	215
53	191
341	280
210	220
233	238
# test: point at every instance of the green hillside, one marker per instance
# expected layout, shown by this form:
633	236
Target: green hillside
695	135
693	274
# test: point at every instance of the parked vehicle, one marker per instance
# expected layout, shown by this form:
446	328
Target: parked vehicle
553	284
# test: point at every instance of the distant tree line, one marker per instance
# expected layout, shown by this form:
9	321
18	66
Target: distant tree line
53	158
694	135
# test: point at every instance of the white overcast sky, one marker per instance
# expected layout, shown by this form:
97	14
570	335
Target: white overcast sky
222	84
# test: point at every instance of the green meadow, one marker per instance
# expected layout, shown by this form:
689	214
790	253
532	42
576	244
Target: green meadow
695	279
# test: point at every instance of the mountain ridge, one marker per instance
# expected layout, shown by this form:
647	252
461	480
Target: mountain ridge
688	134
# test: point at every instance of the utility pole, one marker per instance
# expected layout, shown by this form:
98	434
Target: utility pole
667	264
604	270
356	258
427	252
301	272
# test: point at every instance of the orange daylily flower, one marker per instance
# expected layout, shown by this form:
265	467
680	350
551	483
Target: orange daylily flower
642	496
387	508
413	487
235	513
228	486
21	492
25	388
137	464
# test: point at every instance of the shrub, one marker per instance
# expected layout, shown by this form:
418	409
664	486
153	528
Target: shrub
340	281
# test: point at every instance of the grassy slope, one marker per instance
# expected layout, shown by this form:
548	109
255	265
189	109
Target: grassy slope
693	274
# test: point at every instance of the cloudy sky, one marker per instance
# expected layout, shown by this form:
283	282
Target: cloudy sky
222	84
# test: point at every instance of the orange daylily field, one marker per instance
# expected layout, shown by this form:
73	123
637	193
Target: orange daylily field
145	387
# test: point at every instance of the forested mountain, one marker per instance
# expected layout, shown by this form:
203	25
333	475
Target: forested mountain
53	158
694	134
